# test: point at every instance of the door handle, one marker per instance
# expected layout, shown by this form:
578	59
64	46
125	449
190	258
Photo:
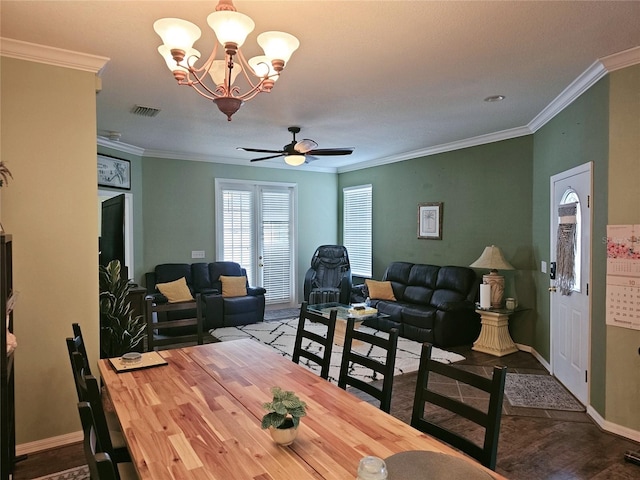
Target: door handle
552	289
261	264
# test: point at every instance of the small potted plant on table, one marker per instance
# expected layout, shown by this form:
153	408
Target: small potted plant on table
283	416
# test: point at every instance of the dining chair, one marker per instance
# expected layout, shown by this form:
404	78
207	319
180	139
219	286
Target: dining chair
489	419
107	425
173	332
76	344
351	358
101	467
303	350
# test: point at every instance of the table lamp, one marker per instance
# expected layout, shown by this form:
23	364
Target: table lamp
493	259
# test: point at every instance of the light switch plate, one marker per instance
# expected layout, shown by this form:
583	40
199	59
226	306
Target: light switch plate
197	254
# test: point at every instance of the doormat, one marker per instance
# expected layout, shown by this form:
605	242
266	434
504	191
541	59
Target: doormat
76	473
281	335
539	391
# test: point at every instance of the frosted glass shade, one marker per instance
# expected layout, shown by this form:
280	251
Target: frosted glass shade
218	70
230	27
177	33
261	66
278	45
171	63
294	160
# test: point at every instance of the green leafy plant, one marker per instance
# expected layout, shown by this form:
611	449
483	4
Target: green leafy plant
284	411
5	174
121	332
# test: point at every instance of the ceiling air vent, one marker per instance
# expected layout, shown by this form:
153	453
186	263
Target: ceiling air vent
145	111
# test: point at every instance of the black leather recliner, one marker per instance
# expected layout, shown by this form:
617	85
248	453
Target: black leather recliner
329	278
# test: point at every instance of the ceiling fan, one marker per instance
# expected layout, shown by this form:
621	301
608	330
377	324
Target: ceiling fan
297	153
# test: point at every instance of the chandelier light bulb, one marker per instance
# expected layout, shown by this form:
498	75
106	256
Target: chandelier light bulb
278	45
230	27
177	34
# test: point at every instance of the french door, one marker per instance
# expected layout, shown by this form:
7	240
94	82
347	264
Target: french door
255	227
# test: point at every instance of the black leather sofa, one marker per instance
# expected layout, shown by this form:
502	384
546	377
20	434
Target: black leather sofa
433	304
204	278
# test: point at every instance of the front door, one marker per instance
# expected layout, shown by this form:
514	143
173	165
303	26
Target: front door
255	228
570	277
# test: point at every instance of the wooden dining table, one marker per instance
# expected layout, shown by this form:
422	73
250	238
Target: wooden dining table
199	417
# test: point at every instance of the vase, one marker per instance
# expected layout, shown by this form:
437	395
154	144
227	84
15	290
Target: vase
284	436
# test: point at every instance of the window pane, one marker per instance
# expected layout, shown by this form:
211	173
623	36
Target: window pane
238	228
570	196
357	228
277	244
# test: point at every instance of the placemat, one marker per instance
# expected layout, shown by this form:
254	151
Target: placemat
420	464
149	359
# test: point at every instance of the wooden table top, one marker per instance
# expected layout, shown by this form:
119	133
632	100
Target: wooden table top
199	417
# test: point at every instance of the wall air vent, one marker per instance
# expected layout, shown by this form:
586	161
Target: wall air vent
145	111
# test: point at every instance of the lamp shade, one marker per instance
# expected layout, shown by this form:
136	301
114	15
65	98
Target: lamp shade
177	34
231	27
294	160
219	69
278	45
170	61
493	259
262	67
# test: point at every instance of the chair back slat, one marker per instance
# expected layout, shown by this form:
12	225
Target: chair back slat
489	419
98	460
350	357
159	333
326	343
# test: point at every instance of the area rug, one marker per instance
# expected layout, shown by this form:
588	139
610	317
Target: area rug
76	473
281	334
539	391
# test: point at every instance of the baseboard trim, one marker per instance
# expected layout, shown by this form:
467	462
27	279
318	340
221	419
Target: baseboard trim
49	443
612	427
532	351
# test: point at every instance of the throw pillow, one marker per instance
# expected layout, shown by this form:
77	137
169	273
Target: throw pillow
233	286
176	291
380	290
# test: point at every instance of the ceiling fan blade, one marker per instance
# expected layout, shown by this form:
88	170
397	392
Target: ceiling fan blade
266	158
259	150
303	146
331	151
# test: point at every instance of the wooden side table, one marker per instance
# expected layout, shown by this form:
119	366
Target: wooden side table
494	337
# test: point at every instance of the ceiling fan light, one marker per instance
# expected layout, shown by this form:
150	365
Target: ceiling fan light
218	70
230	27
294	160
278	45
177	34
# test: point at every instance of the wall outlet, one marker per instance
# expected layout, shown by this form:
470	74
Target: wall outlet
543	266
197	254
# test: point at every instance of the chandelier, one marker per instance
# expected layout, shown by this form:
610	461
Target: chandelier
214	79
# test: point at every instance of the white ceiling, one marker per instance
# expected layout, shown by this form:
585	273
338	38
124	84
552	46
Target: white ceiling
394	79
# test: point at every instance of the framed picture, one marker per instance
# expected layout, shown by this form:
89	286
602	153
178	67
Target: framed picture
114	172
430	220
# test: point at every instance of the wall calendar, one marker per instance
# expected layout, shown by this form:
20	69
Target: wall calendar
623	276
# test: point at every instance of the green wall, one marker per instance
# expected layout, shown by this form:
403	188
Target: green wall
178	204
577	135
623	353
487	199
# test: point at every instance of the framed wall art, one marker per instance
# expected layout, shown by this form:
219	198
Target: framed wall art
114	172
430	220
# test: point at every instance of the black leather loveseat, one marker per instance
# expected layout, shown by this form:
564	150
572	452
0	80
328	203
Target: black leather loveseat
204	278
433	304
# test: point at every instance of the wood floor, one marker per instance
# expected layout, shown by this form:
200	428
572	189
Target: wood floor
534	444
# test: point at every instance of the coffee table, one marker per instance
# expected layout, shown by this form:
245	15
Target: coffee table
343	314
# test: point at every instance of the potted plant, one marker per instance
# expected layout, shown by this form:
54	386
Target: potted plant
120	331
283	416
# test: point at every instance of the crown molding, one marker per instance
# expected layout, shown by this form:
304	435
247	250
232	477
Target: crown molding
622	59
443	148
57	57
120	147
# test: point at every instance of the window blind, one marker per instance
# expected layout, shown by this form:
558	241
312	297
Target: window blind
357	215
